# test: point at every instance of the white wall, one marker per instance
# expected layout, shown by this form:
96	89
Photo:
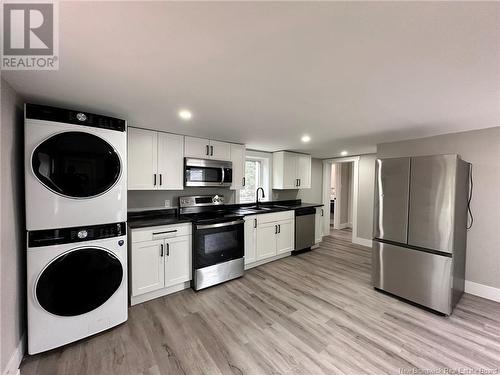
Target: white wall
366	193
12	223
482	149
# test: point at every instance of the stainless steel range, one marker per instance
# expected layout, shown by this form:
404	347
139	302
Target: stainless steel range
218	240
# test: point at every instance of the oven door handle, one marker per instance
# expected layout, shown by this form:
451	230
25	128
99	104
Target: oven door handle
220	225
223	175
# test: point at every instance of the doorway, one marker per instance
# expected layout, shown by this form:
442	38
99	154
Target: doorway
340	193
341	199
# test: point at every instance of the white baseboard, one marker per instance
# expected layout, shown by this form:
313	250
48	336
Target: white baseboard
343	226
362	241
12	367
483	291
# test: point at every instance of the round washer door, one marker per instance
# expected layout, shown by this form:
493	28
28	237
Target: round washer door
76	164
79	281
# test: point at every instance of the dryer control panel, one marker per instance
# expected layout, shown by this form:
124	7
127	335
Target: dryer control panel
59	236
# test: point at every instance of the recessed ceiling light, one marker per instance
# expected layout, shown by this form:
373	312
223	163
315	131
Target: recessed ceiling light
343	153
305	138
185	114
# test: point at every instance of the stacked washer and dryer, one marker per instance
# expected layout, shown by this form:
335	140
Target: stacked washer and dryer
76	212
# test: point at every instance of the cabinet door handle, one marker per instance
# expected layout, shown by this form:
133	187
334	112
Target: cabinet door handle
161	250
164	232
208	150
160	179
168	249
299	181
211	150
322	212
275	229
255	223
279	228
244	181
154	179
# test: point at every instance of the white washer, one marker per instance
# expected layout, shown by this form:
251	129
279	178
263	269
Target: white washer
75	168
77	283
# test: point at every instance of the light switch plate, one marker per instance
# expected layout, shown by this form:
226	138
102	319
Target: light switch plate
167	202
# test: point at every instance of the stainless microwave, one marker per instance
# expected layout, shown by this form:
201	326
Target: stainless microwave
202	172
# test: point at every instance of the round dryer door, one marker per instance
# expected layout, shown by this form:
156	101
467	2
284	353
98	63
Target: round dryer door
79	281
76	164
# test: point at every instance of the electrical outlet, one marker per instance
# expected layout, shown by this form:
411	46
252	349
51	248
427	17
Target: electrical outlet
167	202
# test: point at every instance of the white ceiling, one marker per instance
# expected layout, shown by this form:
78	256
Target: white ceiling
348	74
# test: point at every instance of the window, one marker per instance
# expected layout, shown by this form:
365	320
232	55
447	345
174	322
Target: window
253	180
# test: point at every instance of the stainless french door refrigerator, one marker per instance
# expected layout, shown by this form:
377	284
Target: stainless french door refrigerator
420	229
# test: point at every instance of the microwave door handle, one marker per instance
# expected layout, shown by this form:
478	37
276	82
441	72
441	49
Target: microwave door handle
223	175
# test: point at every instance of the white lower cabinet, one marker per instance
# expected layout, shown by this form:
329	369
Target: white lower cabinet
160	261
178	260
285	238
266	240
268	235
148	272
250	239
318	225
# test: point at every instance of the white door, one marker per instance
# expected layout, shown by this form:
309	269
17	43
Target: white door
266	240
290	171
304	171
220	150
285	240
142	159
148	268
250	239
238	159
177	260
170	161
196	148
318	225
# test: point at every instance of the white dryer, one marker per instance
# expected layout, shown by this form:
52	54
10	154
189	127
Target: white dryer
77	283
75	168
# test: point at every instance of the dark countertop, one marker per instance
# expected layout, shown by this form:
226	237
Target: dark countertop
154	218
168	216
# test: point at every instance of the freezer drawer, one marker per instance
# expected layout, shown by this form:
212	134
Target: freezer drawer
421	277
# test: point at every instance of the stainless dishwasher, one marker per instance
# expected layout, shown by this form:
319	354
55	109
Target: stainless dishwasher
304	227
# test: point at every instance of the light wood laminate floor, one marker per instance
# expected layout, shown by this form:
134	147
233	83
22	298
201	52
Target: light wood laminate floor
315	313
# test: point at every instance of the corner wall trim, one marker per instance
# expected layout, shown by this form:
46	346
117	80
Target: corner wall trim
14	363
482	290
362	241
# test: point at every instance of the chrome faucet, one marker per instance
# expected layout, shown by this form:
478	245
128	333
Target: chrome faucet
257	196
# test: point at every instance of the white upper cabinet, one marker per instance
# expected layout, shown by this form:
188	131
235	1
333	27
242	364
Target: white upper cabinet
238	155
201	148
155	160
303	165
142	159
220	150
291	170
198	148
170	161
